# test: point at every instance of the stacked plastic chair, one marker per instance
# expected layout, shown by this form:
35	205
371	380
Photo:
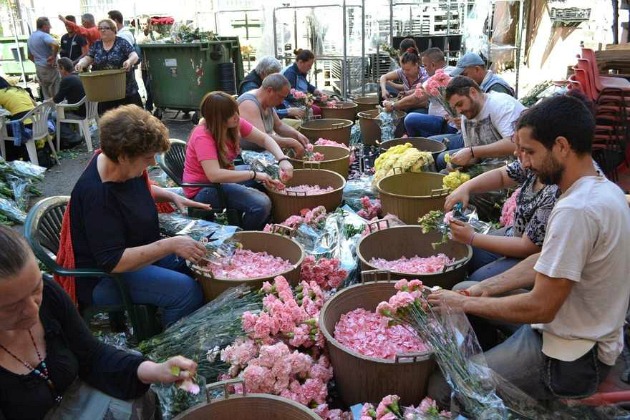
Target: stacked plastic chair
611	99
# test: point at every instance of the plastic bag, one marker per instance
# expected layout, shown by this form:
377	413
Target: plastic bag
10	209
174	400
202	335
157	175
249	156
20	191
356	189
172	224
26	170
388	125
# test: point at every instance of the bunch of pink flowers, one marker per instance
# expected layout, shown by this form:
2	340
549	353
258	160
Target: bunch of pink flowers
298	94
278	370
371	208
312	218
325	272
273	357
311	156
435	88
389	409
287	317
508	211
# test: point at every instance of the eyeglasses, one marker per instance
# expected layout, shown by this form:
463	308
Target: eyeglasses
104	28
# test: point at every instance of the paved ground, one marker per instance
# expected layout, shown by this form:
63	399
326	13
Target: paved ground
60	179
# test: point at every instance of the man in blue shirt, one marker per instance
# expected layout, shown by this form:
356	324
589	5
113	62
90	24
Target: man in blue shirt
42	50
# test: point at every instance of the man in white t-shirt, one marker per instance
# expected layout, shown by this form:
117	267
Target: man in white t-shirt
487	121
574	315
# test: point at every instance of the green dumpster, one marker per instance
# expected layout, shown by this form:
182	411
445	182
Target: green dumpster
181	74
10	58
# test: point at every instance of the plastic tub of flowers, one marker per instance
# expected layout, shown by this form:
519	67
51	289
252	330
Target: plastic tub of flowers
443	261
370	125
307	189
218	274
366	103
410	195
345	110
329	128
245	406
360	378
336	159
421	143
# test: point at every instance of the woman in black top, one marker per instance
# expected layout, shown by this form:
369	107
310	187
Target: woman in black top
45	346
114	221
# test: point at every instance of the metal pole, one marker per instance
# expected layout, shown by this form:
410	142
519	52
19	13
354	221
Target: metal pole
391	22
275	34
344	65
519	43
19	47
363	47
295	28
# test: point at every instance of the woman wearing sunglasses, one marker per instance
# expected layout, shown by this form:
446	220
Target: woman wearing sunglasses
112	52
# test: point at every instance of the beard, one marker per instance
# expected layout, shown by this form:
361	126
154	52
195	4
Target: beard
551	172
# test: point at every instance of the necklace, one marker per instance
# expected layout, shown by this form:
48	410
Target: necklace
43	373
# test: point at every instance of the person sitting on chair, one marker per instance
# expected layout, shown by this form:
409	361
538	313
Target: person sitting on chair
114	221
51	364
266	66
210	154
257	107
70	90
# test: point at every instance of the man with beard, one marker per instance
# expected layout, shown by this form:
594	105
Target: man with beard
487	121
573	317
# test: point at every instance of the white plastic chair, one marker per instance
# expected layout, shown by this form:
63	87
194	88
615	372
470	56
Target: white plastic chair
3	135
39	118
91	113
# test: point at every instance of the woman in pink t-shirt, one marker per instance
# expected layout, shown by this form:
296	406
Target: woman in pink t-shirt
210	154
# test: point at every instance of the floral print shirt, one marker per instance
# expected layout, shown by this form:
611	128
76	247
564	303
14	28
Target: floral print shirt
114	59
532	207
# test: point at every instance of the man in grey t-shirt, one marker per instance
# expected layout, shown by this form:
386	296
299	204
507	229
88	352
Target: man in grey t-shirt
42	50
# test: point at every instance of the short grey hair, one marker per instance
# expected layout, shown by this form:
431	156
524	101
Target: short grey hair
267	65
276	82
88	17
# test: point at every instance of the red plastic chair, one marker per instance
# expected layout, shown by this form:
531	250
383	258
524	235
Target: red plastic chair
603	81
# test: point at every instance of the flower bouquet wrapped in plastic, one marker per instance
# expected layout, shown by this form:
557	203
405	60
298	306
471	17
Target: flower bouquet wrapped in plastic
453	342
435	89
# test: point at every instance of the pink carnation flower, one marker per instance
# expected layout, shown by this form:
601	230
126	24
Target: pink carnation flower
509	209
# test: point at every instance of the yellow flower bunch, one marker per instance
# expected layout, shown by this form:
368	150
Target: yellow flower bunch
401	158
454	180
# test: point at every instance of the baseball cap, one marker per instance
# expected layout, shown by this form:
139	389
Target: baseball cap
467	60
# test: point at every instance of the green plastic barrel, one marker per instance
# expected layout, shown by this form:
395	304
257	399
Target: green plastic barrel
181	74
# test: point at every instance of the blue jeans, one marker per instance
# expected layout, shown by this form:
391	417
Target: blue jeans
425	125
520	361
245	198
485	264
455	142
167	283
